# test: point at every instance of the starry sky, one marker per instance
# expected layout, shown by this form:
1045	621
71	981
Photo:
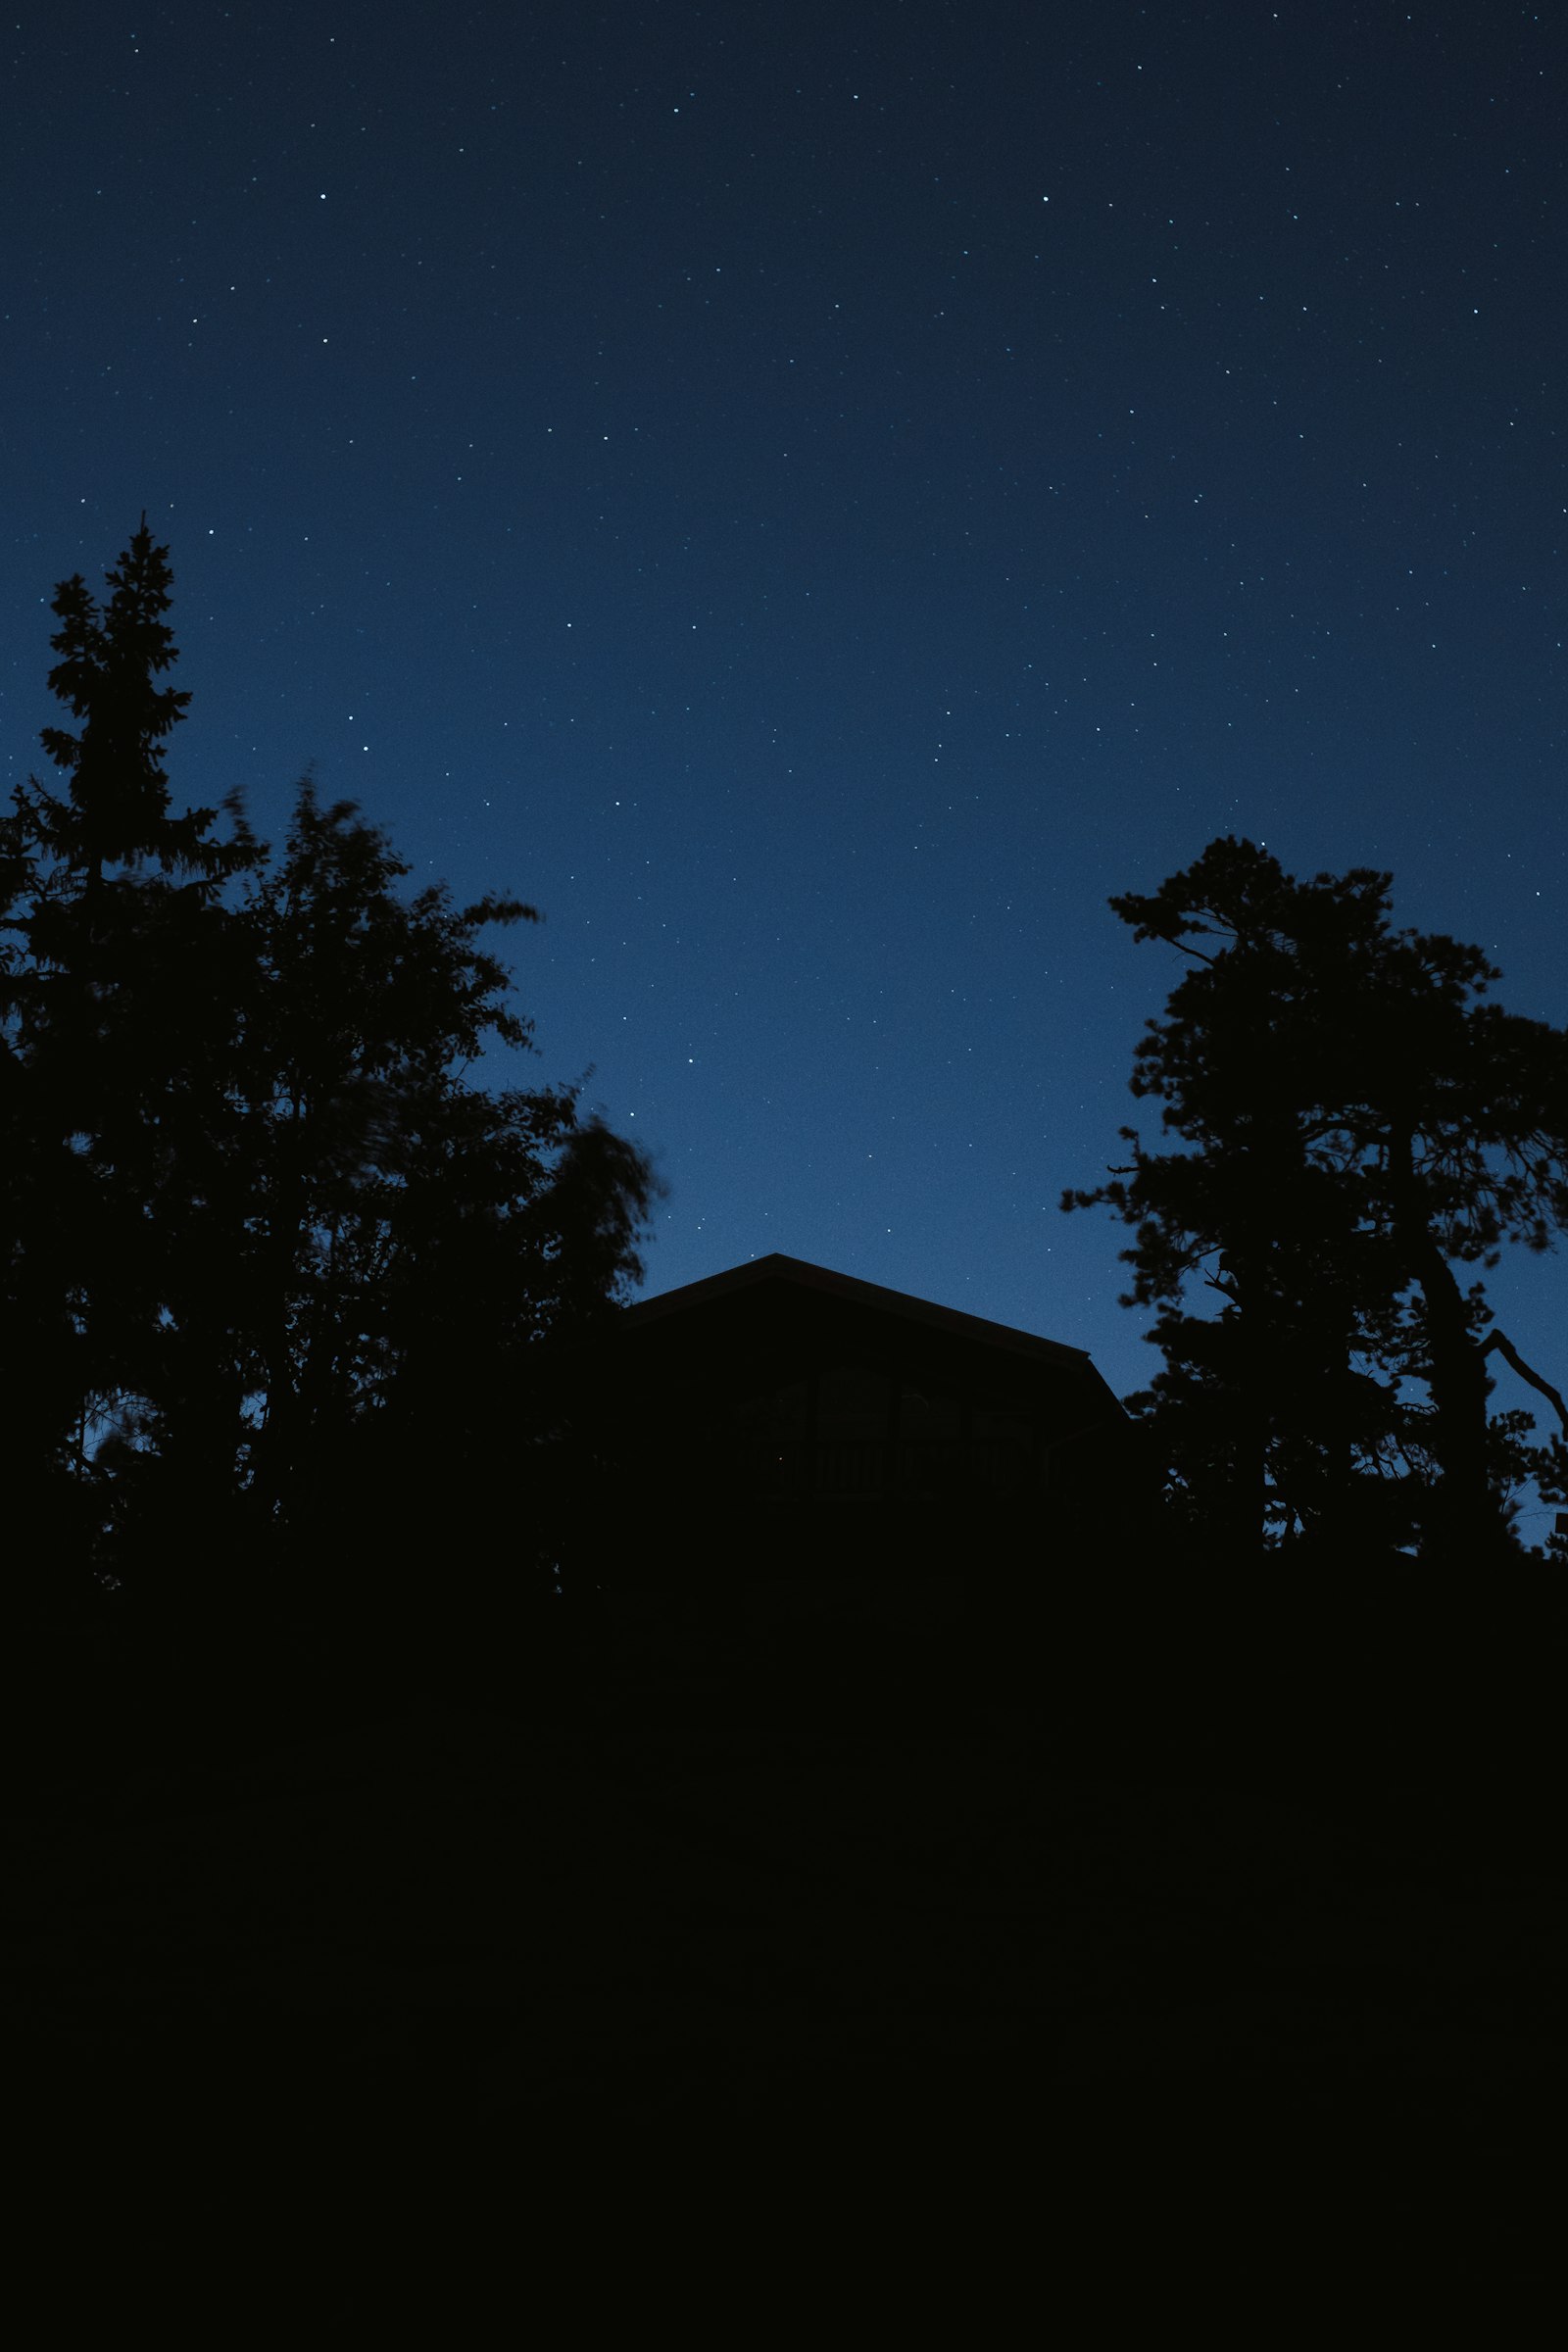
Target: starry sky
817	497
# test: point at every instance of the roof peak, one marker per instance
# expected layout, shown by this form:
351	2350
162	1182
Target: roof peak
776	1266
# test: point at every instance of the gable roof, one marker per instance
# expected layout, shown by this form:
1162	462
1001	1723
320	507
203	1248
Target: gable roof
800	1274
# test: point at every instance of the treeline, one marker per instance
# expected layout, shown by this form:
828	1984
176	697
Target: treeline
281	1283
286	1293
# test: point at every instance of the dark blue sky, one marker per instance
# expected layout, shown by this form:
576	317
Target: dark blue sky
817	497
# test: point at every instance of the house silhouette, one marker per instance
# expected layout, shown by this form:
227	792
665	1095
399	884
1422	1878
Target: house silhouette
782	1429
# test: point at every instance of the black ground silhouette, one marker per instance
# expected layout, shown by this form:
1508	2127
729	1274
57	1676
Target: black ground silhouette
692	1912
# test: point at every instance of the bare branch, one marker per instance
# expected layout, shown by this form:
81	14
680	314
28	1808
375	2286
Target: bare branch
1506	1348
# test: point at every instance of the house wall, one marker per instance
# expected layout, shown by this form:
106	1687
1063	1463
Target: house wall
783	1454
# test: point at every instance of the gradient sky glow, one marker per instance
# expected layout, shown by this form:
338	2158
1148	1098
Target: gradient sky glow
816	498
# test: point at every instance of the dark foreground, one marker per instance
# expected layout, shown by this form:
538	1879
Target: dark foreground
1245	1972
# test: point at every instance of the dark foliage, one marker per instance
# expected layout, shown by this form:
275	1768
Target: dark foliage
282	1286
1351	1123
118	1005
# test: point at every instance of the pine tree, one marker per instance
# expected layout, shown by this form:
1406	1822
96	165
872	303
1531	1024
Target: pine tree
1355	1122
117	1006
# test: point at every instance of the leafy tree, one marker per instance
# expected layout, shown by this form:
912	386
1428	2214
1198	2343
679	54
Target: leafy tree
411	1250
1354	1122
282	1286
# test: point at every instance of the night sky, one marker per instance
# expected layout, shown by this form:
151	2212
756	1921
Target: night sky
816	498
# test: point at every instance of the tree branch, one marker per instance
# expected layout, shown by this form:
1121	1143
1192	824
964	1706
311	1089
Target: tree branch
1506	1348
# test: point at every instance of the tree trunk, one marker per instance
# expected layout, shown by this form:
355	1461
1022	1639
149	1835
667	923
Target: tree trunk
1466	1523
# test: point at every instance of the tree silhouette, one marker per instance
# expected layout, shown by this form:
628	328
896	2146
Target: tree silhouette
280	1282
411	1250
117	1008
1355	1124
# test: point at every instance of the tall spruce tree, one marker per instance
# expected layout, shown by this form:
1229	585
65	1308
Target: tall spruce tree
1356	1125
117	1004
